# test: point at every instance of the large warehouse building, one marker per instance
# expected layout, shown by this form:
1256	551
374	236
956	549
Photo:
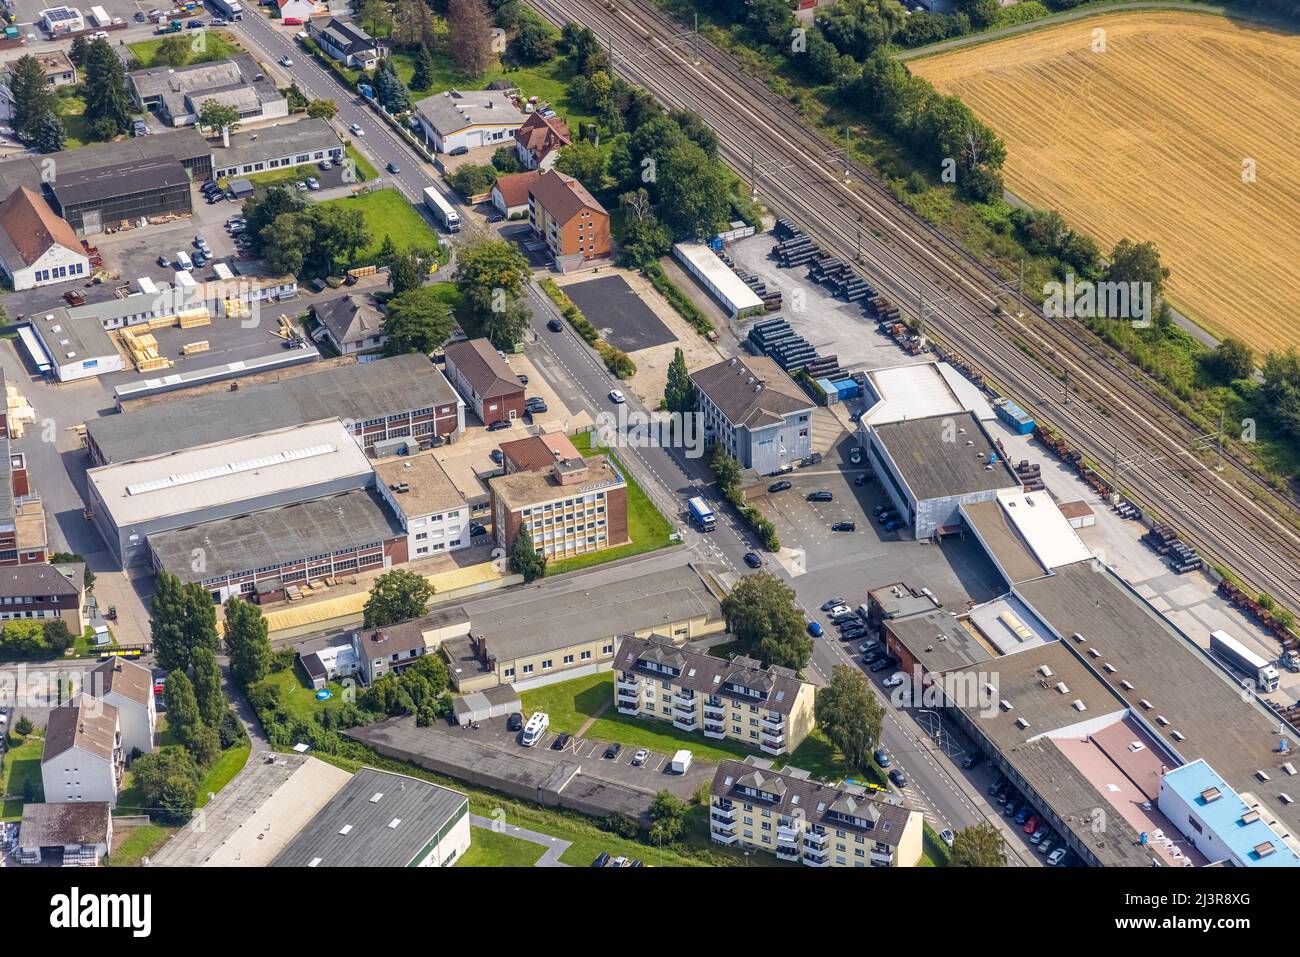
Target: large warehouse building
397	397
134	500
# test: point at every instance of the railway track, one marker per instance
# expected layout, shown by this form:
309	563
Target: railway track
967	306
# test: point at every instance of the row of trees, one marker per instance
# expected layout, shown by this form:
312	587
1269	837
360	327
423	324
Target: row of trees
108	106
293	235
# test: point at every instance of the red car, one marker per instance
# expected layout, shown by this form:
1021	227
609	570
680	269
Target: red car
1032	824
159	687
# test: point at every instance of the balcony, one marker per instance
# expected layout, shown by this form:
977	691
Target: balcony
816	859
814	840
787	834
726	810
775	725
723	837
722	824
787	852
714	729
717	711
686	702
687	723
768	747
627	684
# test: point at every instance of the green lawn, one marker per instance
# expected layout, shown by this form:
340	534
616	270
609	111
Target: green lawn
646	525
72	110
824	761
298	697
230	763
213	45
570	703
365	169
489	849
134	843
22	764
387	213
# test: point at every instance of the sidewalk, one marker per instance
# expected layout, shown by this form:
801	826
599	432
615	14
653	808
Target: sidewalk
554	846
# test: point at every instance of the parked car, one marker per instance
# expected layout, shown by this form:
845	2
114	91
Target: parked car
947	836
496	456
164	261
639	758
602	859
882	664
522	377
616	397
814	629
882	758
886	516
862	478
893	525
998	784
199	259
1038	835
536	408
820	497
850	632
878	509
897	778
838	610
555	325
313	183
192	25
612	751
1031	825
844	527
1023	815
1056	856
752	560
973	760
779	487
1046	845
1012	807
498	425
459	151
515	722
476	529
894	680
562	742
866	646
830	603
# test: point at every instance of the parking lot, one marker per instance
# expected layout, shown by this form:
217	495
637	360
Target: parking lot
619	313
651	776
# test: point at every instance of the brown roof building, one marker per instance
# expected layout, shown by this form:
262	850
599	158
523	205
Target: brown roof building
484	380
573	507
42	591
37	247
537	452
57	66
573	224
510	194
539	140
755	411
83	756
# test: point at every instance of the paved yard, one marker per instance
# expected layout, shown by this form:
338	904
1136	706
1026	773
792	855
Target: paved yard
619	312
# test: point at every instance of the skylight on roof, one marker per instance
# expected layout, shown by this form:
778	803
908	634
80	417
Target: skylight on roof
346	829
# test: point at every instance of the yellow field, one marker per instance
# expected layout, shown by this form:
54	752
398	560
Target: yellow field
1147	140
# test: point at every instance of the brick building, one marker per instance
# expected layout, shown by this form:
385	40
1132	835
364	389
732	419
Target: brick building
573	507
484	380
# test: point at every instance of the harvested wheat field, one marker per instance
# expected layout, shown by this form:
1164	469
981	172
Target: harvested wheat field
1147	140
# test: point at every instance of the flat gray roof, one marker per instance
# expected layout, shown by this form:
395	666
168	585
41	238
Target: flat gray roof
1000	537
63	334
277	535
623	607
183	145
389	820
272	142
938	641
359	392
1205	705
454	110
934	465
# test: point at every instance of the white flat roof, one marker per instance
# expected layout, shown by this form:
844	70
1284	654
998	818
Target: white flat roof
227	472
1008	625
1040	523
726	283
967	392
921	390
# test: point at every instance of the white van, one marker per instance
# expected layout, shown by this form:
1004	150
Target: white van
535	728
681	762
183	260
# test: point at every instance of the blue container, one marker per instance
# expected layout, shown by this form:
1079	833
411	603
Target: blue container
1017	418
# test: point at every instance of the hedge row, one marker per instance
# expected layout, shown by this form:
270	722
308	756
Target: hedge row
616	360
677	299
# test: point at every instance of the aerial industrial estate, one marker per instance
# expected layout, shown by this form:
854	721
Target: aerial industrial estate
481	434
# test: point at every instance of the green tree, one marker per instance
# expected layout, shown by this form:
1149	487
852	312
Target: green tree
473	180
668	818
58	636
376	17
692	192
491	275
850	716
524	558
387	251
200	619
534	43
104	87
644	238
183	714
23	727
49	135
32	99
506	160
726	470
679	393
585	162
168	781
1230	360
167	622
761	612
979	845
398	595
322	109
406	271
502	327
173	51
207	687
1137	262
422	78
417	321
337	233
77	52
247	643
215	115
284	243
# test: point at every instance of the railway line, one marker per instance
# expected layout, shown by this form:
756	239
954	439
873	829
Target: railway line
964	304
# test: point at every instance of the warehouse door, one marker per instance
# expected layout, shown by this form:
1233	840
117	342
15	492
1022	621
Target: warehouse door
91	222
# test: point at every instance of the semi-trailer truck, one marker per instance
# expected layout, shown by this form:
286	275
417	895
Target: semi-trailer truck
703	517
1238	656
442	210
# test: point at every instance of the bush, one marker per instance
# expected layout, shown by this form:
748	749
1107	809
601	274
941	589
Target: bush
231	731
23	727
624	825
616	360
677	299
283	659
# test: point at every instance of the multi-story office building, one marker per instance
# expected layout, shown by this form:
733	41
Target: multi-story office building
766	708
800	820
755	411
575	507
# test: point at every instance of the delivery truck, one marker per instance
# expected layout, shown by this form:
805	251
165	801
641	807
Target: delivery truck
703	517
442	210
1236	655
681	762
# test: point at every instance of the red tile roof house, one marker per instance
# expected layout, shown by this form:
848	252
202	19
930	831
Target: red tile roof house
539	141
484	380
574	226
510	194
37	247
